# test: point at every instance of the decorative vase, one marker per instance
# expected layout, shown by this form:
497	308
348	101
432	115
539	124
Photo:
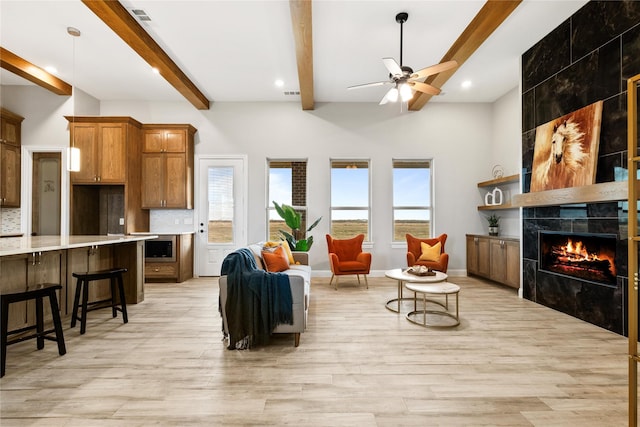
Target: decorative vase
493	231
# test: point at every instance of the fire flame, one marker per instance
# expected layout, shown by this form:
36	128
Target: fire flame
578	252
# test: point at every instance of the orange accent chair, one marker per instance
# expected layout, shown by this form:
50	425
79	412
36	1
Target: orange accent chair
414	251
346	257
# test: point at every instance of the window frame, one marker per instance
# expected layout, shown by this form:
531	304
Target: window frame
354	161
269	203
430	208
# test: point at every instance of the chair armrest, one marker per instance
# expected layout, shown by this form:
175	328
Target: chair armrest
300	257
411	259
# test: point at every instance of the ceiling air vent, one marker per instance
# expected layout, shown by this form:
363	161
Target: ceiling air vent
291	92
141	15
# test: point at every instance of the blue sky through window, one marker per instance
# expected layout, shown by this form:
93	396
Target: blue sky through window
350	188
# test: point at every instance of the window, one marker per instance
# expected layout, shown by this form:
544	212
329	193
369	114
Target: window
287	185
412	205
221	203
350	207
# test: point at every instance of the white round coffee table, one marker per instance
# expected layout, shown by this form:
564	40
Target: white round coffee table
402	277
442	288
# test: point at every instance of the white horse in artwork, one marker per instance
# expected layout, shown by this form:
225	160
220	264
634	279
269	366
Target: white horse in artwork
566	158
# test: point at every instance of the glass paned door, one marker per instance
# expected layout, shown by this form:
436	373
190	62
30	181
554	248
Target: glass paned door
221	212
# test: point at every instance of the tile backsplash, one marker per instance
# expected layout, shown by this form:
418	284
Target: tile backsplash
171	220
10	220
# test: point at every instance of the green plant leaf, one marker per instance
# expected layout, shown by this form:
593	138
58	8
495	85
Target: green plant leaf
313	225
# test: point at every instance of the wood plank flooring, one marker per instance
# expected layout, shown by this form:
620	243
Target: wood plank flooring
510	363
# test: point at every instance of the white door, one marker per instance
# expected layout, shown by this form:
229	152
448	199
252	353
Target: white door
222	224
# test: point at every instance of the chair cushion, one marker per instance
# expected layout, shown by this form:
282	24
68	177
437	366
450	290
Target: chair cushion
429	252
276	260
352	266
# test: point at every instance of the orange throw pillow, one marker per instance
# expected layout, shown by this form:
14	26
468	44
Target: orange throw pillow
430	253
276	260
285	246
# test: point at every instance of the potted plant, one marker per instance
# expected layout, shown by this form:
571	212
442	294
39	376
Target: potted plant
494	223
297	239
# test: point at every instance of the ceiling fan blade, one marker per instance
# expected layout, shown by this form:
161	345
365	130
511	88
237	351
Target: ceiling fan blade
434	69
392	66
368	85
426	88
385	98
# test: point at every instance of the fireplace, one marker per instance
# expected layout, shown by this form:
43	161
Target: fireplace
589	257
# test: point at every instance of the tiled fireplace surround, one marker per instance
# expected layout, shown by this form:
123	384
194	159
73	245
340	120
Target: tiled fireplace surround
587	58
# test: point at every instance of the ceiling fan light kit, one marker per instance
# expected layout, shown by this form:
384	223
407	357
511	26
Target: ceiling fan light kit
403	78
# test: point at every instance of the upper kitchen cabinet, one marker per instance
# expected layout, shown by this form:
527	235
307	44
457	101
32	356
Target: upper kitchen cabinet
167	166
10	126
105	194
108	146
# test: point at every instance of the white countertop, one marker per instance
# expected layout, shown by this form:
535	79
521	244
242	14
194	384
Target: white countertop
24	245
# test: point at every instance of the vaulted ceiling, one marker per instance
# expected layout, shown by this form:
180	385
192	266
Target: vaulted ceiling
234	51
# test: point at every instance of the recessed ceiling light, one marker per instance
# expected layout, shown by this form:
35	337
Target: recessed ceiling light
279	83
155	70
466	84
51	70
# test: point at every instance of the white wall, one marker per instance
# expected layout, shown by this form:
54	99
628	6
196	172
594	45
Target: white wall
506	151
460	138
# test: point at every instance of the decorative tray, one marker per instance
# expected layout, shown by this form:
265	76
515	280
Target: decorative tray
420	270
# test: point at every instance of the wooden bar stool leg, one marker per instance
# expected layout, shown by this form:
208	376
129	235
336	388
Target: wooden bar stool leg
76	301
114	304
85	300
4	331
39	323
123	301
57	323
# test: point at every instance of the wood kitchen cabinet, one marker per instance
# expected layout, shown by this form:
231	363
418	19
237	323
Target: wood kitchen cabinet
105	193
176	270
105	144
494	258
167	166
10	158
22	272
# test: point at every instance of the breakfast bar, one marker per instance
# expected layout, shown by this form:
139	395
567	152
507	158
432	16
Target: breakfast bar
26	262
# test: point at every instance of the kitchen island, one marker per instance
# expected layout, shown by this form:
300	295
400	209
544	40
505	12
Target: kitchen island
27	262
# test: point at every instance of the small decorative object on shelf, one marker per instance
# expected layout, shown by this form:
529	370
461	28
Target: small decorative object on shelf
494	223
497	171
493	198
421	270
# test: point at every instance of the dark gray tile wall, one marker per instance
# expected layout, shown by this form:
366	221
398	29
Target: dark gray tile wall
587	58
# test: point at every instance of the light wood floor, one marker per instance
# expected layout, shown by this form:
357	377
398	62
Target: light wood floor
510	363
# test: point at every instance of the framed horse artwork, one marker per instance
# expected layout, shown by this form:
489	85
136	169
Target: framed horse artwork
565	153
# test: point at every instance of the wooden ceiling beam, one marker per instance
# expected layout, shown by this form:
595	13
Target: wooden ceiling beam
28	71
490	17
301	23
112	13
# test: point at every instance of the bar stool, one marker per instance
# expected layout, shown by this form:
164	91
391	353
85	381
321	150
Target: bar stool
82	286
42	291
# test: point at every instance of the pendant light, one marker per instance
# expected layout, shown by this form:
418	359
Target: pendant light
73	152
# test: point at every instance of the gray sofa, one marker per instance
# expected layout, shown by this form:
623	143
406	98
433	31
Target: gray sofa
300	282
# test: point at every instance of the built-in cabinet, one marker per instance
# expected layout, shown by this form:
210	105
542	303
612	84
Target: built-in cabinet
10	146
177	270
494	258
105	194
103	148
167	166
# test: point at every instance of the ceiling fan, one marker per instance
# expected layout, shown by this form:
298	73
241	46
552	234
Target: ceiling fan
403	78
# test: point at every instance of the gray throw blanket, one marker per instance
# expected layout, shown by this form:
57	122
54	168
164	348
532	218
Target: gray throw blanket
257	300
